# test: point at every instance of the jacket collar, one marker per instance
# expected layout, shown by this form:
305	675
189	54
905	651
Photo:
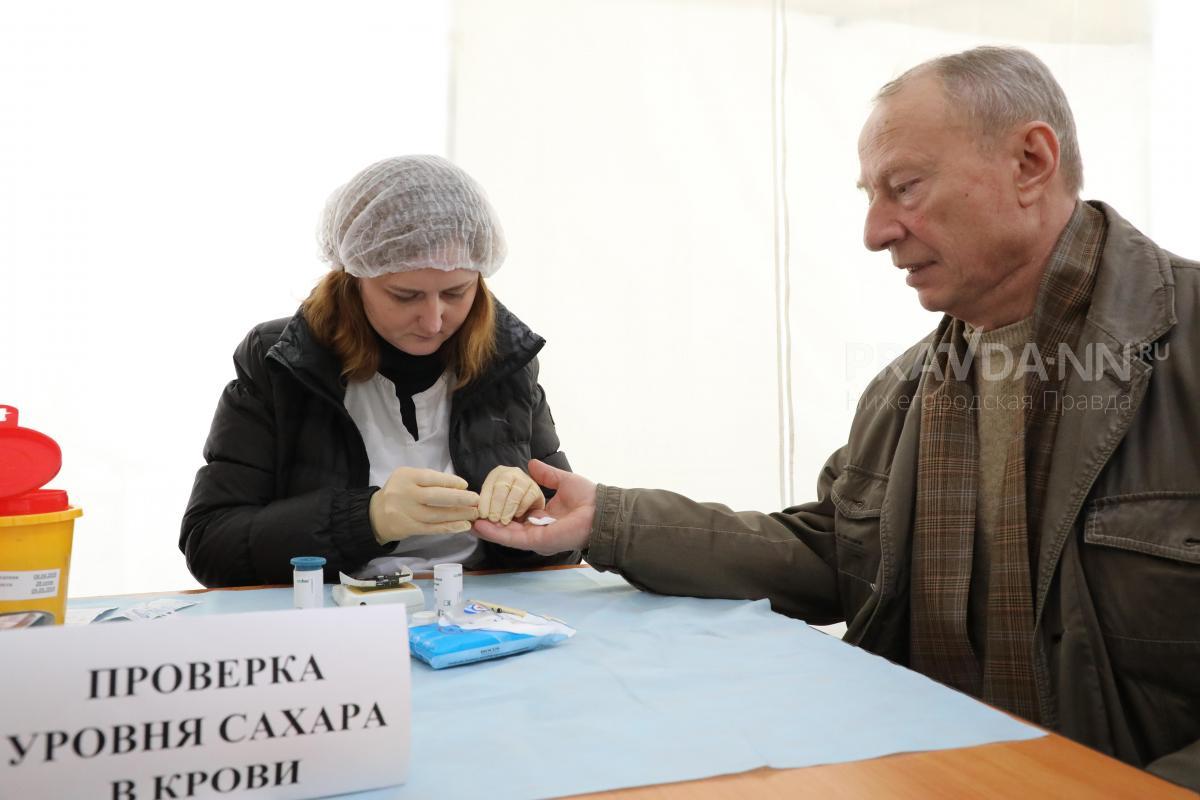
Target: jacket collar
516	346
1132	305
1133	302
310	361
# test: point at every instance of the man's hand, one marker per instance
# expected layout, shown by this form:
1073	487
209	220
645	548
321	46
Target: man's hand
573	506
420	501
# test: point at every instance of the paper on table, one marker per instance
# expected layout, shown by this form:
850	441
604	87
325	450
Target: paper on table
153	609
82	616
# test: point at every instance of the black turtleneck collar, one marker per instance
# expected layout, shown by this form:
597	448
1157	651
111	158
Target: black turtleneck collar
411	374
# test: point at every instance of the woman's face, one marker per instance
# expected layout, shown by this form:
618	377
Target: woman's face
419	310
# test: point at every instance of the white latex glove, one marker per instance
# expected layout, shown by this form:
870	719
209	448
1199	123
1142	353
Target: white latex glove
421	501
573	507
508	492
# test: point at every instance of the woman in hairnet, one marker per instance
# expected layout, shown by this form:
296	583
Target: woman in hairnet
399	404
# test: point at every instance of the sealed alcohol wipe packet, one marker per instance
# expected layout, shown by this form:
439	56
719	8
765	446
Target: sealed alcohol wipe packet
480	631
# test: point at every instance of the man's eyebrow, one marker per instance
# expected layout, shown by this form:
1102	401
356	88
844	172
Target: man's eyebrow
886	174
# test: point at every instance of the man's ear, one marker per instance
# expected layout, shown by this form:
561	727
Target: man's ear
1035	147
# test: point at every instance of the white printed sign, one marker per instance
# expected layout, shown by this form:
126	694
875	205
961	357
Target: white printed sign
285	704
29	584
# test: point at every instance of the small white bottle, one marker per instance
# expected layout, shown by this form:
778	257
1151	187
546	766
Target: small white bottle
419	618
447	590
308	582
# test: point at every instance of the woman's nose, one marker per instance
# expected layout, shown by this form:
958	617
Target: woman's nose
431	317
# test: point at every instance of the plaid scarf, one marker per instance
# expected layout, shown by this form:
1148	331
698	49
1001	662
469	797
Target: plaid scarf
947	476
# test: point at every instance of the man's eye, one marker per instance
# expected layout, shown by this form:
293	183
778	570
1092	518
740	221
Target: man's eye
904	188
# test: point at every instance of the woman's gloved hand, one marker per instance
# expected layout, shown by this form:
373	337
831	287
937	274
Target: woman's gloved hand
507	493
422	501
573	507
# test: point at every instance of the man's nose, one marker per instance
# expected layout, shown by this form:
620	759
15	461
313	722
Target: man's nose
881	229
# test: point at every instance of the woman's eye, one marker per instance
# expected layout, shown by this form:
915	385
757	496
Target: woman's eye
454	295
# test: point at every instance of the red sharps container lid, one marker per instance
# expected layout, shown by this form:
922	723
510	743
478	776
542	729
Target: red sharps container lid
28	460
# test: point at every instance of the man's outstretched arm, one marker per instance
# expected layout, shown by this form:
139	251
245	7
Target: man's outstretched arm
666	543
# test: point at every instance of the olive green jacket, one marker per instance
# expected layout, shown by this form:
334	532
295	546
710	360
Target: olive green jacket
1117	577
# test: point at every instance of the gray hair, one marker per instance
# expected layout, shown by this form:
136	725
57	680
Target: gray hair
998	88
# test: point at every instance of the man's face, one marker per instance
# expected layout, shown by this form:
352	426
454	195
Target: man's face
417	311
942	205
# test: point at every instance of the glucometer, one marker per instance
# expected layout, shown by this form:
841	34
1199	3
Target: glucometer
395	588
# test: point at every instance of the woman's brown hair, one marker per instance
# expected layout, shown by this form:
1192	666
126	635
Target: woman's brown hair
334	312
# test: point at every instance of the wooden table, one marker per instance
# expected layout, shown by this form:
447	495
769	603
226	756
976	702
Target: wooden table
1052	766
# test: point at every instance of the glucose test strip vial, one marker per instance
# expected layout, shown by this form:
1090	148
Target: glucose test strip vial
447	588
308	582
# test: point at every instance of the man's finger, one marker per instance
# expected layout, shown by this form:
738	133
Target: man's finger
544	474
512	535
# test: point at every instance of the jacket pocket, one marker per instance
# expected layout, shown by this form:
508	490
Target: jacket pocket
1141	559
1141	556
858	500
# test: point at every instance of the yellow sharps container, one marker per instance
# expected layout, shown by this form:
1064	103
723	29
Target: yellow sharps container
36	527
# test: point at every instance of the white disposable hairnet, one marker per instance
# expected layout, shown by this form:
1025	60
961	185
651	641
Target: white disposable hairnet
413	212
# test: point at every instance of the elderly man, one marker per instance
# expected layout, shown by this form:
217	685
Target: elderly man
1024	529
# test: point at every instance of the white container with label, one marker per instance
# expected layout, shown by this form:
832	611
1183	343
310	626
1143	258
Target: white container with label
308	582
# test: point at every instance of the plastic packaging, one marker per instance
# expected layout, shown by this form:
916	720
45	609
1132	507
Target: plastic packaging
481	631
308	582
